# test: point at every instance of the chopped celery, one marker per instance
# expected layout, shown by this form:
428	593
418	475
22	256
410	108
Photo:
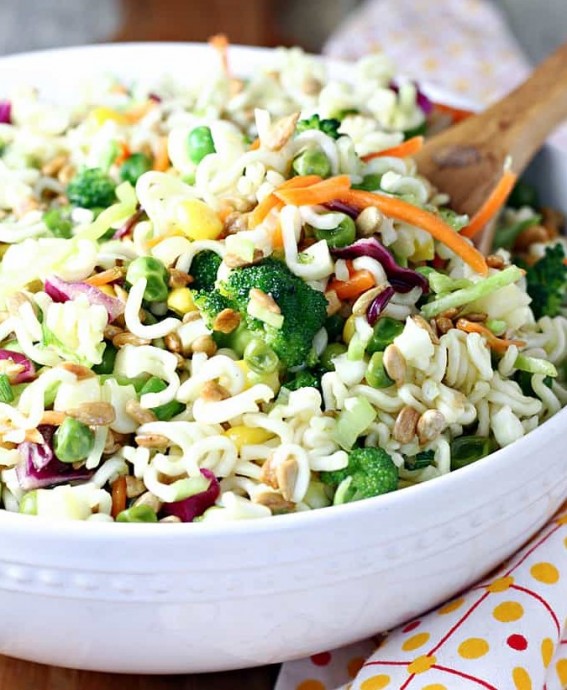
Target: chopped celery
442	283
356	416
465	295
356	348
534	365
6	392
497	326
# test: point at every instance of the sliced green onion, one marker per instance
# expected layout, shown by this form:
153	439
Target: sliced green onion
260	357
534	365
6	392
420	461
481	289
357	415
468	449
166	411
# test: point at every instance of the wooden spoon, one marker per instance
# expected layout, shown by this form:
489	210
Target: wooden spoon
466	160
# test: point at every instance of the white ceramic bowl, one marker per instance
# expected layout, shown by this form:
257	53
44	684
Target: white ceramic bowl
188	598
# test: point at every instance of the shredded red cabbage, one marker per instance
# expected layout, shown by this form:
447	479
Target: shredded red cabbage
401	279
378	304
341	207
27	373
190	508
5	112
39	468
423	102
128	226
60	291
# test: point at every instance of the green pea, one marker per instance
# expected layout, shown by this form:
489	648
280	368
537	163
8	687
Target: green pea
73	441
376	375
468	449
108	359
341	236
260	358
57	220
370	183
137	514
385	330
334	326
28	503
312	162
154	272
200	143
168	410
329	353
134	167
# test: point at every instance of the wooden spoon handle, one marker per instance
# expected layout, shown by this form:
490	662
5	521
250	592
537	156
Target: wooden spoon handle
529	113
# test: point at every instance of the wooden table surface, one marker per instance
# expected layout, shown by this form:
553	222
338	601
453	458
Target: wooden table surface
22	675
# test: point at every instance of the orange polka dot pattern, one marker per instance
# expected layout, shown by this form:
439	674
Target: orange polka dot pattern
506	632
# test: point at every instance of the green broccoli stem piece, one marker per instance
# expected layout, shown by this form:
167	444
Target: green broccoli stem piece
465	295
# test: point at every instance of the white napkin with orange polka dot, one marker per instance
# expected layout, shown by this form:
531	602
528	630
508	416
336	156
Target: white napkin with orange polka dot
505	633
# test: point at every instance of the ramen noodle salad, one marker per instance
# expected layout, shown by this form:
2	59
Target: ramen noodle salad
238	298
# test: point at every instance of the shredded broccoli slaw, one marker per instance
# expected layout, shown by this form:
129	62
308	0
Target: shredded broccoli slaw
239	299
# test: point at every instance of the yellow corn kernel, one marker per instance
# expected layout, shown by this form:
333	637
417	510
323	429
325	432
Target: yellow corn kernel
348	330
246	436
197	220
102	114
180	300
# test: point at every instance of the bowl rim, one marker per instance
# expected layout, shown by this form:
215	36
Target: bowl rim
90	530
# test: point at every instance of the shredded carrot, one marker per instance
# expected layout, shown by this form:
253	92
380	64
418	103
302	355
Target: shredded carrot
358	282
220	43
272	201
319	193
408	213
457	114
123	154
53	418
105	277
137	112
277	237
494	342
151	243
118	496
255	145
406	148
161	160
492	205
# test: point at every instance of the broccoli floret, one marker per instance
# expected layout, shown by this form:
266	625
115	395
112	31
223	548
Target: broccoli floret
304	309
91	188
204	268
210	304
370	472
547	282
303	379
329	127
